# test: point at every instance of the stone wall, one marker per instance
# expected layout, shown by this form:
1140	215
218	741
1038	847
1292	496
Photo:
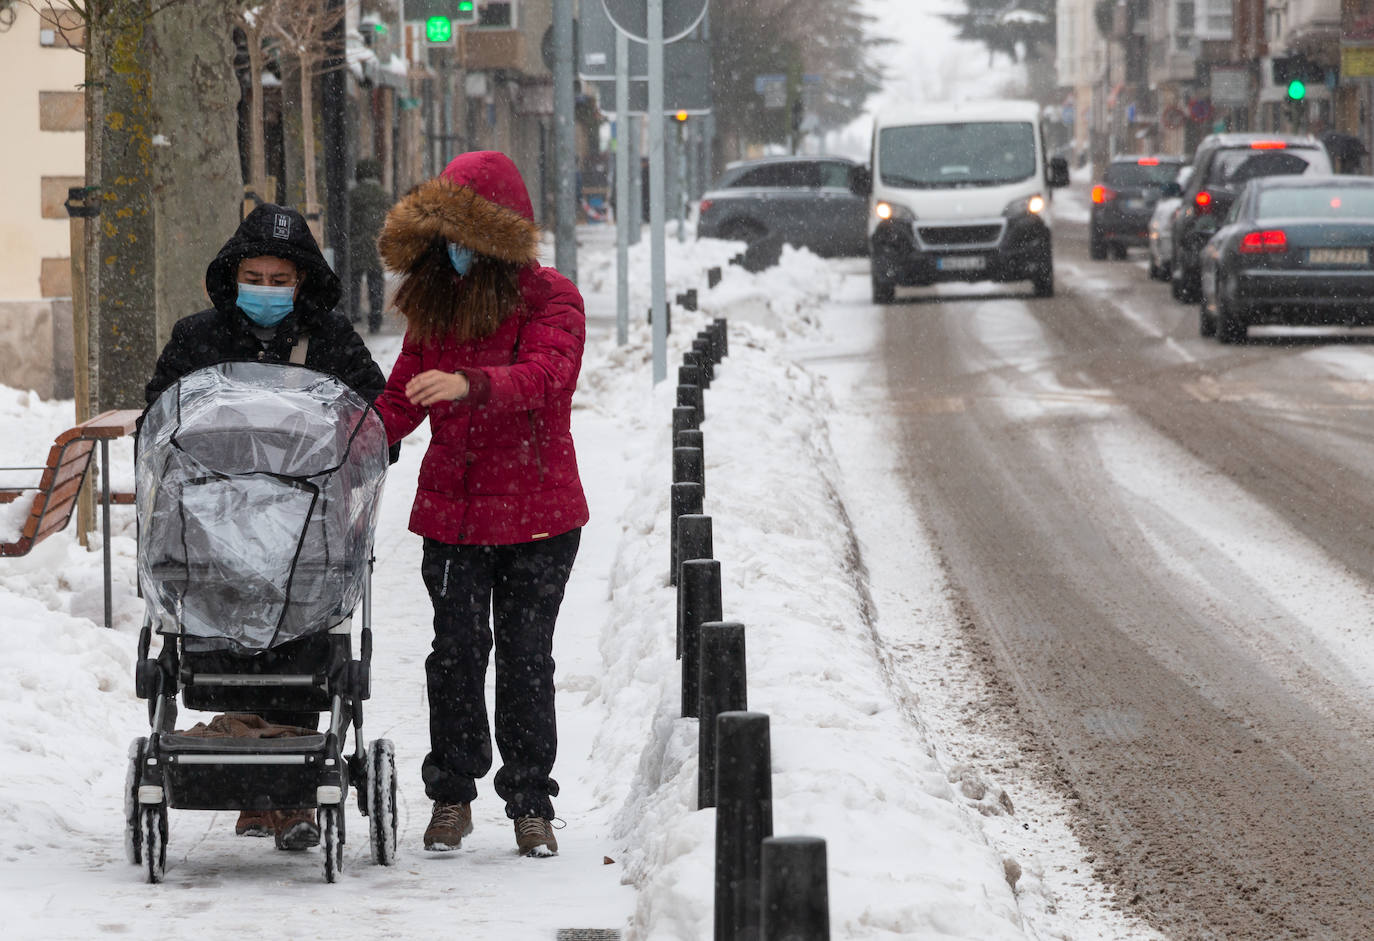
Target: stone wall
36	346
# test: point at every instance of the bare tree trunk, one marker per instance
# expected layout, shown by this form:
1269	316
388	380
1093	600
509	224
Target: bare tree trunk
124	339
257	138
199	183
312	203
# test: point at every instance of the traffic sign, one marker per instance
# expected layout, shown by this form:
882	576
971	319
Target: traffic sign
631	17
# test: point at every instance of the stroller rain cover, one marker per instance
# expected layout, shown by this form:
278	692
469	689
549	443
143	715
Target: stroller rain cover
258	487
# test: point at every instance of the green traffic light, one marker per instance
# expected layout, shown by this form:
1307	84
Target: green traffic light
438	29
465	7
1297	90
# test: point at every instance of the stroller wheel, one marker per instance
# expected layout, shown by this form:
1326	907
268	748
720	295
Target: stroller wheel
381	801
331	837
133	834
155	840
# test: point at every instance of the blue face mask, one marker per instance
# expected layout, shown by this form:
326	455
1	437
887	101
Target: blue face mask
265	305
461	258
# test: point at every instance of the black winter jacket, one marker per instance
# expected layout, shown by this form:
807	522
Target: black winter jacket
224	333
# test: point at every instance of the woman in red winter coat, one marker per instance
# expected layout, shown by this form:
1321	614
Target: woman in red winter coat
491	355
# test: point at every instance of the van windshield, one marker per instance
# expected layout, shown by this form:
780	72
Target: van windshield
947	155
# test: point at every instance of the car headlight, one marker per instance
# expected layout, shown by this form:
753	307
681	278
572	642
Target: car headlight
887	211
1025	205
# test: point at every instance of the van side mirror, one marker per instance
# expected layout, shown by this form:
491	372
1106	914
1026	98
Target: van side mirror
1171	190
1059	172
861	181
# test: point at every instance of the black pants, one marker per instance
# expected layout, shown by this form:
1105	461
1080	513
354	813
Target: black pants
374	296
512	592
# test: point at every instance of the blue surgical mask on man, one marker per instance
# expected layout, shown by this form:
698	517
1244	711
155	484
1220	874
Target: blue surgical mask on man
265	304
461	258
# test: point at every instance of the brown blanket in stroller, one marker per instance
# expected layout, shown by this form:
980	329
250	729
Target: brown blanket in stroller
244	725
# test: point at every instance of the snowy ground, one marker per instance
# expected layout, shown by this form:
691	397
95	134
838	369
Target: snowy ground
919	845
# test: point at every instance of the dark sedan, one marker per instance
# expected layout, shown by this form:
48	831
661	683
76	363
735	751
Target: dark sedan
1124	202
1293	250
809	202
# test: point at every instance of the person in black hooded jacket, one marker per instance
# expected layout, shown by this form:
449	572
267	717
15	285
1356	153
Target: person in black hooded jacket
230	330
274	297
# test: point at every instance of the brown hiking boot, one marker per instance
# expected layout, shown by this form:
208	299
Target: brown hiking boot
296	829
255	823
534	836
447	826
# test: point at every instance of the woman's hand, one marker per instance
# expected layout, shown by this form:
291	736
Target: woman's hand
435	385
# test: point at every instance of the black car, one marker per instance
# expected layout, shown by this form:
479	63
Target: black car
1124	201
1223	164
1292	250
809	202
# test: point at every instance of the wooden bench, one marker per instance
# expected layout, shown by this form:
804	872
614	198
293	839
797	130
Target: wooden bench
59	486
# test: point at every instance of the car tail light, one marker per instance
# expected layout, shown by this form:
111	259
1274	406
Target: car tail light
1267	242
1203	201
1148	161
1102	194
704	205
1268	145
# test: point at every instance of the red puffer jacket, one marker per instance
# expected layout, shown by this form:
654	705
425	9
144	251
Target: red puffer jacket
500	468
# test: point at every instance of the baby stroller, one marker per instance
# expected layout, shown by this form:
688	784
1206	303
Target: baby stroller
258	487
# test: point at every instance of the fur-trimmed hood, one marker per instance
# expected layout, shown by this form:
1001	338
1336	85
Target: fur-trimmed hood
479	201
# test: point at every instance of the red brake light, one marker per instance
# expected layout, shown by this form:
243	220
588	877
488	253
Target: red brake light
1102	194
1267	145
1203	201
1267	242
704	205
1148	161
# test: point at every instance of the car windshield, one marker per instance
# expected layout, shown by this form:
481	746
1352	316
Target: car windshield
1311	202
1234	167
1134	173
969	154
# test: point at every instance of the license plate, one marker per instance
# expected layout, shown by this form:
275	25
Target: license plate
1338	256
961	263
1136	204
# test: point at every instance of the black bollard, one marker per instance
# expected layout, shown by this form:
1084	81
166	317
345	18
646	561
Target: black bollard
698	600
685	501
702	364
722	335
693	539
702	349
684	419
688	466
795	897
688	299
692	438
689	374
724	688
667	317
692	397
712	277
744	818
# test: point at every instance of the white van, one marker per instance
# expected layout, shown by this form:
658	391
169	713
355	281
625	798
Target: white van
960	192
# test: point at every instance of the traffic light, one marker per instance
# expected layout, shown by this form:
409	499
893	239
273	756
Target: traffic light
466	13
1295	73
681	117
438	29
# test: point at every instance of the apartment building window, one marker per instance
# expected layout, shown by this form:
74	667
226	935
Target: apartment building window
1213	19
1185	22
496	14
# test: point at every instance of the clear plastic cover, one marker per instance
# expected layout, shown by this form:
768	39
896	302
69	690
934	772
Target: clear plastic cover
258	490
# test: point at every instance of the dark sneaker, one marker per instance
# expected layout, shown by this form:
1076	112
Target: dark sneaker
296	829
534	836
255	823
447	826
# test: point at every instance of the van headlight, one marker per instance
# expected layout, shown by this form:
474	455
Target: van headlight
1025	206
887	212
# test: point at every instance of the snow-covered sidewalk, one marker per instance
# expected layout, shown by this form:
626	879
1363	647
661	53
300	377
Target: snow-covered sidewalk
909	855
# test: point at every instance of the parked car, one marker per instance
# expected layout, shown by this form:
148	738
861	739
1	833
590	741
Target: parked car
1223	164
1293	250
804	201
1161	227
1124	201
